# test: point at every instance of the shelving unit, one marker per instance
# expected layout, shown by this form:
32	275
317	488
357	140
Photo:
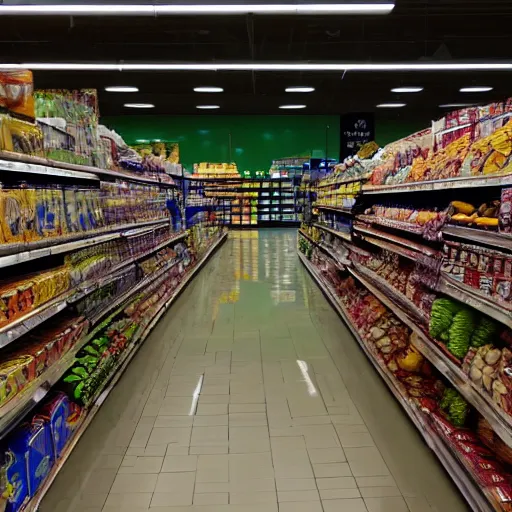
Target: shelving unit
477	499
146	257
406	259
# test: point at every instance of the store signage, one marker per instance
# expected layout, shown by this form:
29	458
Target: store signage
356	129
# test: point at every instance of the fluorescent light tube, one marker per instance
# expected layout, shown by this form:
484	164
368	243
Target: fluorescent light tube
299	89
476	89
291	107
139	105
457	105
407	89
261	66
391	105
208	89
121	88
207	107
155	10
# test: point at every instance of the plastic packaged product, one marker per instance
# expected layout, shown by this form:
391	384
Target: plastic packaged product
11	220
71	209
14	376
21	137
17	92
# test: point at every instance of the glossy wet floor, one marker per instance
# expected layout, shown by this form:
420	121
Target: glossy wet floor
252	396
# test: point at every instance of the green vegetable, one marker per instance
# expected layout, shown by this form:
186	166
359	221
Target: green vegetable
484	332
458	411
72	378
89	349
448	396
460	332
445	336
441	316
81	372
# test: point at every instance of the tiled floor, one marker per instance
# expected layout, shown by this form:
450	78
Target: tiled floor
252	396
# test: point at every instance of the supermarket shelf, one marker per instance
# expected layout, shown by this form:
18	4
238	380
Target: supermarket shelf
490	238
18	162
13	254
397	298
344	236
499	420
109	384
342	182
337	209
471	297
44	170
411	250
413	229
469	489
330	251
452	183
32	319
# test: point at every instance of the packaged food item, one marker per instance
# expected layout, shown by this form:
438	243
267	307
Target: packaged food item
17	92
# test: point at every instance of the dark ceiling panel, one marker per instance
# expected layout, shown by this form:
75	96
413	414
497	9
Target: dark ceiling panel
416	30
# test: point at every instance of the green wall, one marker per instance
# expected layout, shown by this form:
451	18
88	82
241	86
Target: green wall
255	140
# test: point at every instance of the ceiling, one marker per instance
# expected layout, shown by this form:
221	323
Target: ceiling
417	30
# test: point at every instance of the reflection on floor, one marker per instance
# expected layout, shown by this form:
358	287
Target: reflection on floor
252	396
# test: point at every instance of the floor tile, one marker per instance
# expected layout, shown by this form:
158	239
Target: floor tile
247	498
209	436
221	420
326	455
349	505
332	470
386	505
344	482
309	495
144	465
380	492
211	409
366	461
179	483
295	484
211	498
132	499
293	506
179	463
134	483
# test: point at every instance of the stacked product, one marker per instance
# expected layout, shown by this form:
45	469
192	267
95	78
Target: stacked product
437	252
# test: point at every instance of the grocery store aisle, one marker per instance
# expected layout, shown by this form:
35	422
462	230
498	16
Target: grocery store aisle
251	396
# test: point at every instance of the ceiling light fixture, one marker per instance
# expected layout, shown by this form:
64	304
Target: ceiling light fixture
263	66
391	105
476	89
121	88
139	105
457	105
291	107
299	89
407	89
207	107
155	10
208	89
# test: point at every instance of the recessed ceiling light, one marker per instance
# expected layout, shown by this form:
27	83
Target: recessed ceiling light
299	89
407	89
263	66
208	89
291	107
457	105
139	105
476	89
142	141
391	105
121	88
207	107
155	10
